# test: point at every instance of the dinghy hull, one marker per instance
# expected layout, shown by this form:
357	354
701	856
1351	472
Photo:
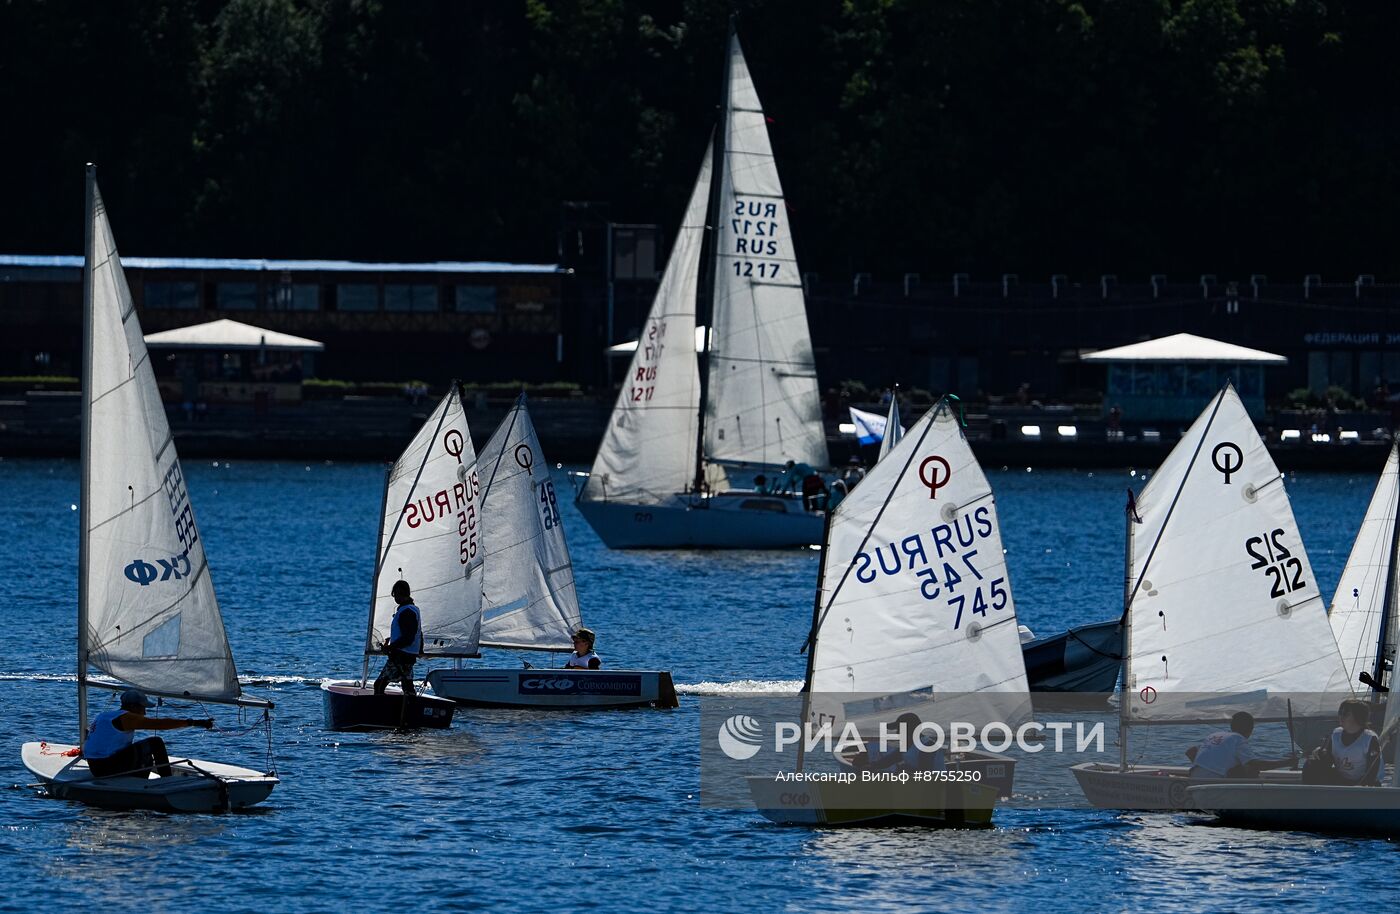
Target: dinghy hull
1083	659
1302	807
1161	787
835	805
559	690
350	706
732	520
196	786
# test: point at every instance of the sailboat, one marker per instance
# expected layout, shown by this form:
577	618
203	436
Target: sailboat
913	614
893	430
529	599
430	534
1352	809
678	442
147	613
1221	607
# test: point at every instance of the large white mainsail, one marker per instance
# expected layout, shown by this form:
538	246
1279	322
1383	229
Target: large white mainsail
1223	599
763	406
527	577
916	598
648	451
1358	606
431	535
152	618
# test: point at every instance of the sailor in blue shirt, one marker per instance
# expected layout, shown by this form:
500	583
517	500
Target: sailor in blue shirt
404	645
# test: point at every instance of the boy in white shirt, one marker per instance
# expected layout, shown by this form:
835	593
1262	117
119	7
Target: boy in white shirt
1226	754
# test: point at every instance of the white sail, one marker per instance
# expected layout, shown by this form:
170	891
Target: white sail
1359	603
649	450
893	430
431	535
916	598
1223	598
528	580
763	406
152	618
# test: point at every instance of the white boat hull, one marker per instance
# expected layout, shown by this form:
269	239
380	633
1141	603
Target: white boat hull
732	520
194	786
553	689
828	804
1162	787
1302	807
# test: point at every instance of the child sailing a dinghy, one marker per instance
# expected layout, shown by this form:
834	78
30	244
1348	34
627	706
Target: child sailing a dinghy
1226	754
1351	754
583	657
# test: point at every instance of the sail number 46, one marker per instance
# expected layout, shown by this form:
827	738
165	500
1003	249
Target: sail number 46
971	598
1281	566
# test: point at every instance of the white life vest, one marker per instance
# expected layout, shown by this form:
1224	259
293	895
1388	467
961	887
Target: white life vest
414	647
104	739
1351	762
582	662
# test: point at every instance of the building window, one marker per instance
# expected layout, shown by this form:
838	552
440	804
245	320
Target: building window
406	297
295	296
476	299
238	296
182	296
357	296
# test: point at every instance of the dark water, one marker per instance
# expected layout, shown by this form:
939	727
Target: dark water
535	812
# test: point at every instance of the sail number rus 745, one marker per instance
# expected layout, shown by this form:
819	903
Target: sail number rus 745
945	565
1276	562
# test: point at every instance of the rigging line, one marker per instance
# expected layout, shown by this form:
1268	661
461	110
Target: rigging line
1185	477
514	414
811	635
427	453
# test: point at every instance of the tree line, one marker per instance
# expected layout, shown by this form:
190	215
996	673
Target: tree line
988	136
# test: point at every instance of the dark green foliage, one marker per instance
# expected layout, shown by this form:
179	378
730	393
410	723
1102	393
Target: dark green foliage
1029	136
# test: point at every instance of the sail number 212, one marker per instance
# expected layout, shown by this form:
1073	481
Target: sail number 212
1281	566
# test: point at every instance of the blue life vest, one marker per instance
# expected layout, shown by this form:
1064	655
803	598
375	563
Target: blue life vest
104	739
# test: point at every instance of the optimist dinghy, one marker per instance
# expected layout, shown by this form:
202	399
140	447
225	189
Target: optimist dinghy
147	613
1221	609
430	535
913	614
529	600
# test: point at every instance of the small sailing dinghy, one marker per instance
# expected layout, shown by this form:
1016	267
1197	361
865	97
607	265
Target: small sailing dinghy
1085	659
147	613
1361	810
529	600
669	469
1221	607
430	536
913	614
893	430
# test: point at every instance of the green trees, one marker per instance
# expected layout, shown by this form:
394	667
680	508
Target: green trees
1029	136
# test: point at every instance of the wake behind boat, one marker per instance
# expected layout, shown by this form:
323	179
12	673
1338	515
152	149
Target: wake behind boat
147	613
681	445
529	600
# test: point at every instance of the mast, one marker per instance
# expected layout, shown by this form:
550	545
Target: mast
1387	605
812	641
1125	696
705	307
374	581
85	477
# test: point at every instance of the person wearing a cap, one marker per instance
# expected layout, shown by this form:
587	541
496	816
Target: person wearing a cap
583	657
111	748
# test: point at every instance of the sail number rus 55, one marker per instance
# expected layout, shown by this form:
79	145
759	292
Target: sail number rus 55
944	562
461	499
